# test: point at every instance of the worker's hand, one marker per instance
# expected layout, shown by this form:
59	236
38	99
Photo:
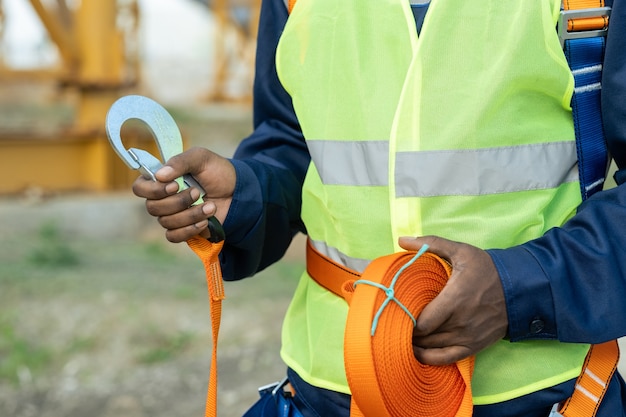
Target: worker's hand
469	314
174	210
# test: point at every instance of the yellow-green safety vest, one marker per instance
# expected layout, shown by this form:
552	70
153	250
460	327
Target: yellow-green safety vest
463	132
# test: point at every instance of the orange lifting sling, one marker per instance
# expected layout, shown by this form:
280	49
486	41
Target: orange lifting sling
384	377
375	384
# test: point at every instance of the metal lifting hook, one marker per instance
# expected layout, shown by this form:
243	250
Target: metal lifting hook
167	137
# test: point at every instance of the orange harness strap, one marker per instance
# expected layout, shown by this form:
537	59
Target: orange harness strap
290	4
588	23
208	252
598	369
385	378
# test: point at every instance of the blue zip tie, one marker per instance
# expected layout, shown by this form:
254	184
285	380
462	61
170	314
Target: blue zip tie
389	290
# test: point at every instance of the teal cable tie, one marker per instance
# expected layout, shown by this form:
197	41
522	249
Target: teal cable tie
390	292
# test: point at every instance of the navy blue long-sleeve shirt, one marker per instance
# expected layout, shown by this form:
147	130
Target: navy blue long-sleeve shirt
570	283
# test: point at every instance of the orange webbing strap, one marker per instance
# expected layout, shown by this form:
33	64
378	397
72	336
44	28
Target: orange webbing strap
208	252
328	273
587	23
598	369
383	374
290	5
385	378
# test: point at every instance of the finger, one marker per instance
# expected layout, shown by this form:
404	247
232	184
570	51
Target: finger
438	339
173	203
191	162
195	215
434	315
153	190
439	246
185	233
441	356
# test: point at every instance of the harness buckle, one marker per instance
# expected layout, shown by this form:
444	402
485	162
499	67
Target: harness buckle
590	27
555	411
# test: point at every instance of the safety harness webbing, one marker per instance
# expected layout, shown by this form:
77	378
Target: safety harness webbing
598	369
384	377
208	253
583	45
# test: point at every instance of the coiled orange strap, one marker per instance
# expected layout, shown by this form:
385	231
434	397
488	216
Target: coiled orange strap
383	374
385	378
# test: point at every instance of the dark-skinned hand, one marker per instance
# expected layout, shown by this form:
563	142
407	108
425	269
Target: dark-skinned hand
469	314
174	211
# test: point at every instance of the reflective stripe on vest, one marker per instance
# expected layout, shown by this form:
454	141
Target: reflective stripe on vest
455	132
366	164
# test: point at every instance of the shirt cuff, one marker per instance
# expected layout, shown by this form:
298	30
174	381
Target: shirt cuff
527	292
246	206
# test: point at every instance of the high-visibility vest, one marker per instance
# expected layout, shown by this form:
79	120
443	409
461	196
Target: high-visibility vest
465	132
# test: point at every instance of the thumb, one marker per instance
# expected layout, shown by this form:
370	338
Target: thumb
441	247
436	312
191	162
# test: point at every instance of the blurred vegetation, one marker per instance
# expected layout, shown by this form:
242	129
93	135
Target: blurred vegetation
52	250
18	355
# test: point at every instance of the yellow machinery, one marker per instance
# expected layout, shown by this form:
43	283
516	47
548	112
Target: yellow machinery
97	65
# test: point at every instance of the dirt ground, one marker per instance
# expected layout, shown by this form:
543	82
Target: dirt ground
115	334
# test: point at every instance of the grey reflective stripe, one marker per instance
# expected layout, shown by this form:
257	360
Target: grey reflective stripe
486	171
429	173
351	162
356	264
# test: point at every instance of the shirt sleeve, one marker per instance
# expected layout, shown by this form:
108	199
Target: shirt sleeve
570	284
614	89
270	165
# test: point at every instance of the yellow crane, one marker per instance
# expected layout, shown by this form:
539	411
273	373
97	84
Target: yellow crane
98	62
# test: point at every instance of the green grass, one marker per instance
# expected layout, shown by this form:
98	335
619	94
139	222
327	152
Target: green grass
18	354
52	250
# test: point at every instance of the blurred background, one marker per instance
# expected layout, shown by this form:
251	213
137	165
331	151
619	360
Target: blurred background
99	315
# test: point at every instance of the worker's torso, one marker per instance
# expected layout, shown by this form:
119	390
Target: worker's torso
464	131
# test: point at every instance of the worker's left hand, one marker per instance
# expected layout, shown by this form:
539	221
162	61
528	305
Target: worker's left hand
469	314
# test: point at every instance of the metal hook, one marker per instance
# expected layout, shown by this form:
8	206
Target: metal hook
159	121
167	137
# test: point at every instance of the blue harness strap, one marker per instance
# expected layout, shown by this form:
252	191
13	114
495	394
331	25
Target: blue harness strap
585	54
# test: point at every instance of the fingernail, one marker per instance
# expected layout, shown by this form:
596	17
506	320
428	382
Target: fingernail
172	188
166	171
202	224
208	209
195	194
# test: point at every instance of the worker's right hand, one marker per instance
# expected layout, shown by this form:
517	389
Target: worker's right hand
174	210
468	314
